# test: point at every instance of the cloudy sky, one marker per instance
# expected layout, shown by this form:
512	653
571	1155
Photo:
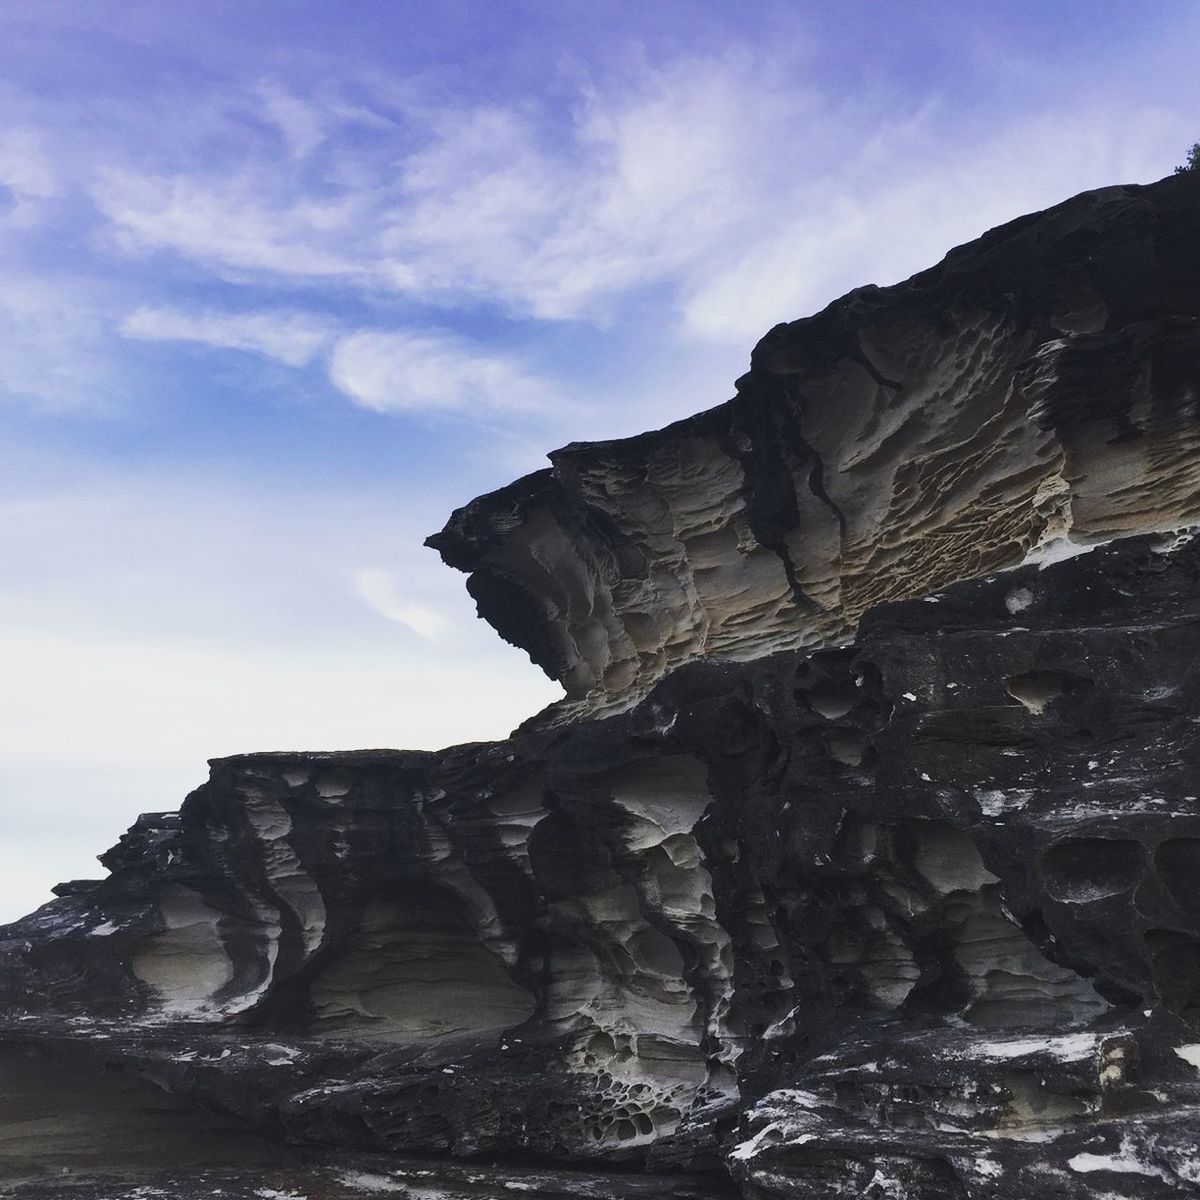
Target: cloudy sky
285	282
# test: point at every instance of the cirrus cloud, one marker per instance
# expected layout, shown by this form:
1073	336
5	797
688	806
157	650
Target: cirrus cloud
379	591
420	370
292	338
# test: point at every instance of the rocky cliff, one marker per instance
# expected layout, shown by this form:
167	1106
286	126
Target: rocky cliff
1032	395
863	858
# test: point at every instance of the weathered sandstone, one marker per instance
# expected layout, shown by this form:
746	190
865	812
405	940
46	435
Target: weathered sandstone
1033	394
862	859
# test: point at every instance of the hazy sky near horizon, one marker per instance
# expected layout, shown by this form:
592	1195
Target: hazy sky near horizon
284	283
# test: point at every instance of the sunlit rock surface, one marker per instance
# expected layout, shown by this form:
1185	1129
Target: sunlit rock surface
886	887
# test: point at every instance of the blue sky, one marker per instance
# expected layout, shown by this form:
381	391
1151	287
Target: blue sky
284	283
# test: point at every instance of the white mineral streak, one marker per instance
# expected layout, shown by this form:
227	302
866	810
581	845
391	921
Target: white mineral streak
371	1181
1124	1161
1190	1054
1065	1047
786	1118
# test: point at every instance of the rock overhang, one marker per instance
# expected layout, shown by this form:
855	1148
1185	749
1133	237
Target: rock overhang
1034	392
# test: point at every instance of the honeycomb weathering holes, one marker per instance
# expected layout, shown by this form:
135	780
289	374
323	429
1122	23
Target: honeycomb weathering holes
1081	870
1037	690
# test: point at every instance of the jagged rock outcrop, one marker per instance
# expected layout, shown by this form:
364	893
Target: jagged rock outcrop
1034	392
886	886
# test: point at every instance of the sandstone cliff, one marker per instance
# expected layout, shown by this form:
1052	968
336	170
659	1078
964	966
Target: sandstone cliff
862	859
1032	395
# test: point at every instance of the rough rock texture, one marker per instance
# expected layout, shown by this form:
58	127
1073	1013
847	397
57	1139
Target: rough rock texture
887	887
1035	391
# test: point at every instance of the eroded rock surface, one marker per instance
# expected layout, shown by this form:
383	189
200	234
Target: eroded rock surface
1035	391
941	880
891	891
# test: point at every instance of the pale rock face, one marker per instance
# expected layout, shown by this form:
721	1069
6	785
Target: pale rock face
862	860
185	965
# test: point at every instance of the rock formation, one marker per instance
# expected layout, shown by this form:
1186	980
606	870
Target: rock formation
1031	395
862	859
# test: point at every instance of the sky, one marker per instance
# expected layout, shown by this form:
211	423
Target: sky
284	283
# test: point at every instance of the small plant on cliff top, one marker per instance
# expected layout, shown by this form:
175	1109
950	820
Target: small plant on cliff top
1193	160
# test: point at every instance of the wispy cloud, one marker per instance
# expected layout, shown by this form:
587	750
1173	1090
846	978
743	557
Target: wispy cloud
722	192
898	201
27	178
55	354
432	371
550	213
231	223
289	337
378	369
303	125
379	590
743	192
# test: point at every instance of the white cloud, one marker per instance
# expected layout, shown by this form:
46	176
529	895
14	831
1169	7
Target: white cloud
502	204
24	165
379	591
304	126
27	179
187	552
382	370
845	230
289	337
54	353
731	181
241	222
407	371
557	227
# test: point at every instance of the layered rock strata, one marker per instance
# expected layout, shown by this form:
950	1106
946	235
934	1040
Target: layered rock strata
1033	393
941	880
892	891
